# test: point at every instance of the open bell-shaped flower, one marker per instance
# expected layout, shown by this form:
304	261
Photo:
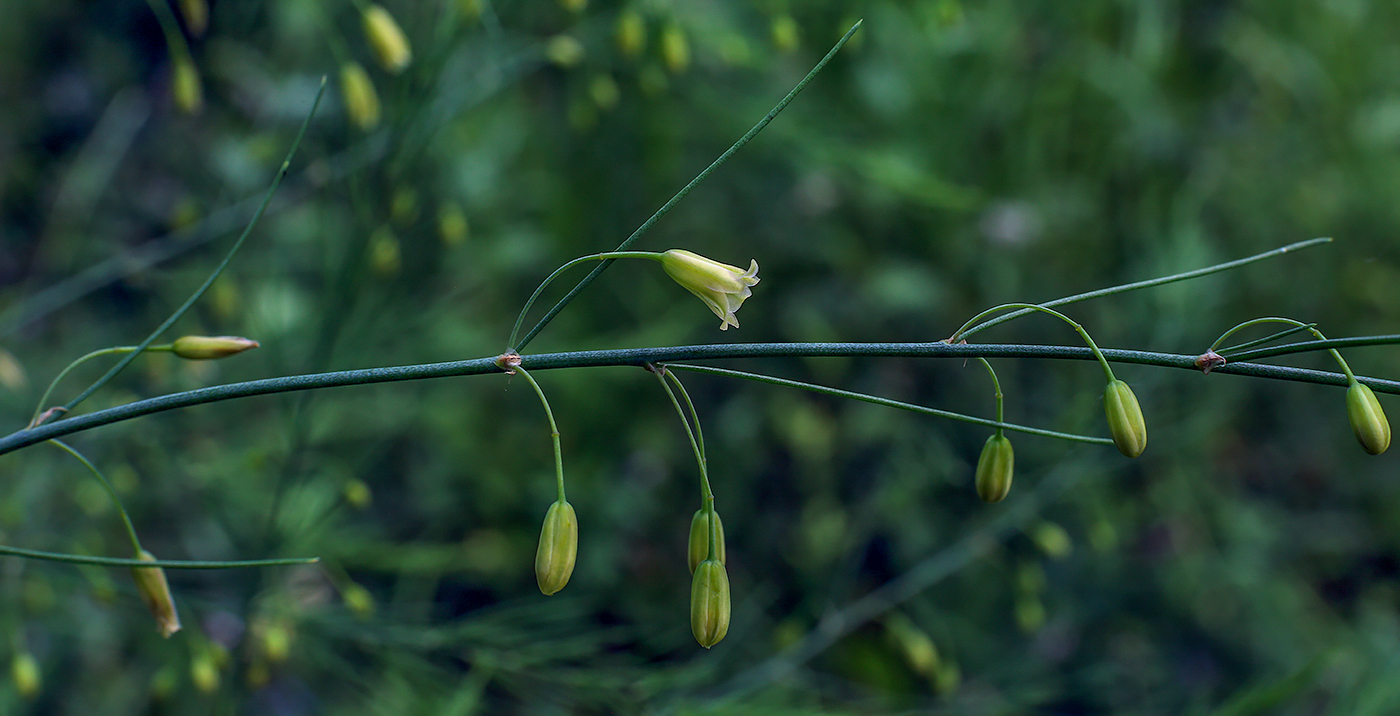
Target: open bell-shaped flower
722	287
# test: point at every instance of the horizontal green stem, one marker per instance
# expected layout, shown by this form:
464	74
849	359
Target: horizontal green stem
639	356
166	563
886	402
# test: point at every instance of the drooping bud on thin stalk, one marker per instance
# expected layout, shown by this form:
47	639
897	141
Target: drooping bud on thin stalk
709	603
700	543
997	462
1125	420
994	468
558	548
155	593
1364	412
24	670
706	529
1367	419
357	91
390	46
185	86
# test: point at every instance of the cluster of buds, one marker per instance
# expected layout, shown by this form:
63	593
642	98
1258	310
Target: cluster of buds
709	586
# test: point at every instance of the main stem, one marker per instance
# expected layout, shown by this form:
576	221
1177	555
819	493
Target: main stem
640	356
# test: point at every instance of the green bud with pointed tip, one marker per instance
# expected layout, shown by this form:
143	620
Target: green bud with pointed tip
1367	419
554	560
709	603
994	469
700	538
1124	418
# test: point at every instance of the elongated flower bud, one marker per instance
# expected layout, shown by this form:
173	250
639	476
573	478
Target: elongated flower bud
554	560
185	86
361	101
700	539
709	603
1367	419
631	33
24	669
675	49
386	39
208	347
994	469
155	592
1124	418
196	14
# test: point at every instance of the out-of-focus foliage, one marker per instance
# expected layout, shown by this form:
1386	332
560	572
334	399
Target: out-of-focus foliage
956	155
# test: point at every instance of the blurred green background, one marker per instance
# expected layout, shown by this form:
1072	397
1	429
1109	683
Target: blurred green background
954	156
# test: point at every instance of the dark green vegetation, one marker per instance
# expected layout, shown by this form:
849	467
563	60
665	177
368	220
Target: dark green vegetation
953	157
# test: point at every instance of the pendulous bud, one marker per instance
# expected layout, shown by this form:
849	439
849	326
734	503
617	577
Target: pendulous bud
155	593
1124	418
554	560
1367	419
24	669
386	39
700	539
709	603
185	86
994	469
209	347
361	101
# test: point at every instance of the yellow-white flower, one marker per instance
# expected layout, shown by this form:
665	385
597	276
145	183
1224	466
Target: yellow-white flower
722	287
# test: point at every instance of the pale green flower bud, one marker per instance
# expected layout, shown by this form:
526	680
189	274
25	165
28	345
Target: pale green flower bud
185	86
24	669
994	469
386	39
196	14
631	33
361	101
675	49
700	539
554	560
722	287
709	603
155	593
1124	418
1367	419
209	347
